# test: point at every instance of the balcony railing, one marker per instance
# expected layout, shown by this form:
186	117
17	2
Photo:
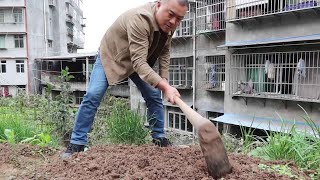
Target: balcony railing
278	75
213	79
185	28
245	9
180	72
211	16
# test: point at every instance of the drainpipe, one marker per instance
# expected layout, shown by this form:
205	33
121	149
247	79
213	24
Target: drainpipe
194	35
45	28
87	72
27	47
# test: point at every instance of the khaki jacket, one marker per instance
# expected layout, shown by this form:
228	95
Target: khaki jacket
132	44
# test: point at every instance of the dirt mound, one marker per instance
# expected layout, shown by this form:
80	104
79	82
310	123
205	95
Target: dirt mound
138	162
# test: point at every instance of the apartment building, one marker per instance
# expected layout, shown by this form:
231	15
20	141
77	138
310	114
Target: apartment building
253	63
30	29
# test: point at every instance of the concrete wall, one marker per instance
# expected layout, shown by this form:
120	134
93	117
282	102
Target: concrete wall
284	25
10	3
11	77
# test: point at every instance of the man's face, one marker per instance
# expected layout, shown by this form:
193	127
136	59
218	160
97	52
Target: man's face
169	14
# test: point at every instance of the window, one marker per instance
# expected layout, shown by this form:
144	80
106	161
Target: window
2	41
214	75
17	15
79	96
18	41
277	75
20	66
21	89
1	16
49	43
180	72
178	121
3	68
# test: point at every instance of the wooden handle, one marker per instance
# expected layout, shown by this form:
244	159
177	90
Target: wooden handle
195	119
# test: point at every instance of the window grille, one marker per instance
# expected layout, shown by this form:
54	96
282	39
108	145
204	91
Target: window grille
211	16
180	72
278	75
79	96
178	121
214	77
242	9
185	27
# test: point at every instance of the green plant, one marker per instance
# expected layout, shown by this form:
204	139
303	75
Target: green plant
291	145
15	122
42	140
314	127
125	126
248	138
278	169
10	136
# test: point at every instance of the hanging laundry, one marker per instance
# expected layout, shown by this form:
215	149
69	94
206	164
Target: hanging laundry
301	68
213	77
266	66
271	71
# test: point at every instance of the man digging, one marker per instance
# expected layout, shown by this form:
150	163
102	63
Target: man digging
129	49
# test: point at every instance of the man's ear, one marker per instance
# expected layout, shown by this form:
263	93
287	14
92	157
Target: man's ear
158	4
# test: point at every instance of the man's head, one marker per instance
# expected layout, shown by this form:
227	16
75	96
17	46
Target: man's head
170	13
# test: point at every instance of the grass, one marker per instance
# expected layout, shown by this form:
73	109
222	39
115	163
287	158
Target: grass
302	148
16	123
125	126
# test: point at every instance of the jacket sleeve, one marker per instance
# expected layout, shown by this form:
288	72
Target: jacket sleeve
138	30
164	60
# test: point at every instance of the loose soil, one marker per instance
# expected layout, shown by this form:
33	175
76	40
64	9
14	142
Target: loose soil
125	162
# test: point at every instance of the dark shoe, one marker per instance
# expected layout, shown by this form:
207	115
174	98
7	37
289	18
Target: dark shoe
72	148
162	142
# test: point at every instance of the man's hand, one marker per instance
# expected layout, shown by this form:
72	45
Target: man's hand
169	91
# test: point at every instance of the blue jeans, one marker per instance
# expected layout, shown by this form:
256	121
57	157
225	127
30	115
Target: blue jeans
97	87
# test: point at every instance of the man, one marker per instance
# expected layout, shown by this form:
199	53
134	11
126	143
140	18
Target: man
130	48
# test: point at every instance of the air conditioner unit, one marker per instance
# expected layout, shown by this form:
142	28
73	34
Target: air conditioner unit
52	3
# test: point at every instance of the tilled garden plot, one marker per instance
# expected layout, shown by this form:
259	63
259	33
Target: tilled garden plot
126	162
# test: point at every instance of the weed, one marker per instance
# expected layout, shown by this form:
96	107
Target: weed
125	126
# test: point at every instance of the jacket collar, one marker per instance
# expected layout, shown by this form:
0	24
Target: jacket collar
152	7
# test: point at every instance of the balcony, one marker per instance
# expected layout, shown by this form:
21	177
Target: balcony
211	16
247	9
53	79
278	75
185	28
180	72
213	78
